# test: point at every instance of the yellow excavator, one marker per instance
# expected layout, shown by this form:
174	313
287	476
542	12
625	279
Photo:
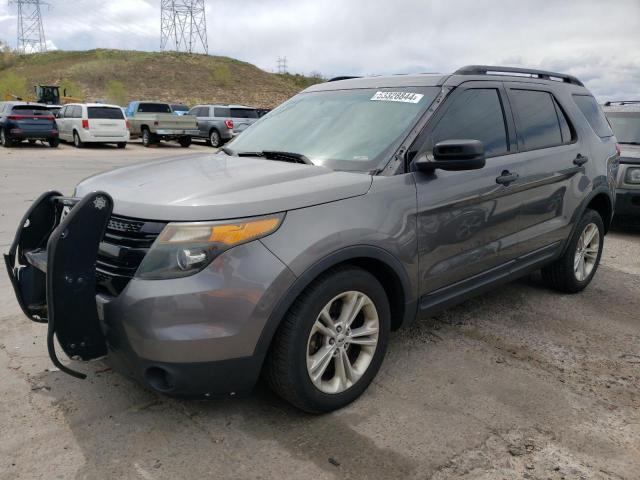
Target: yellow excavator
47	94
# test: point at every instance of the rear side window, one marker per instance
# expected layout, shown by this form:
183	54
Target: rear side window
154	108
109	113
244	113
475	115
593	113
30	110
539	120
221	112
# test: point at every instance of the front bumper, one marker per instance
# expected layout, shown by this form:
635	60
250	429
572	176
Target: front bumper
193	336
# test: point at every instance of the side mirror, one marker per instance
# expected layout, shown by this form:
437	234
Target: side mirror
454	155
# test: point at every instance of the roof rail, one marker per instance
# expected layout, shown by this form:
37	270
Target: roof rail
621	102
344	77
541	74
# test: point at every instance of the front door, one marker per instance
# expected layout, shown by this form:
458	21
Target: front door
468	221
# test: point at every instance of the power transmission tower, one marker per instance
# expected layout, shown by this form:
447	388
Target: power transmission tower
282	64
183	26
31	37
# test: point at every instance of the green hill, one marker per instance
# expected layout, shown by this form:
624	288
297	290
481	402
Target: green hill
119	76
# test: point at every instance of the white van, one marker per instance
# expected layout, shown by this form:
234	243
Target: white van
82	123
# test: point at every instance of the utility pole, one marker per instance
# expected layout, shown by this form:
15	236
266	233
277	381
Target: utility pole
282	64
183	26
31	37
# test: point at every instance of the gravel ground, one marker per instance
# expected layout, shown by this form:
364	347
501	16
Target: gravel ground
519	383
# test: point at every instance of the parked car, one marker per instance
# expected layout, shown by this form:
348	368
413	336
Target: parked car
350	210
214	123
154	121
83	123
26	121
624	118
179	109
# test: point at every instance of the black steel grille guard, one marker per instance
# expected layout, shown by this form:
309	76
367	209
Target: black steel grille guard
61	291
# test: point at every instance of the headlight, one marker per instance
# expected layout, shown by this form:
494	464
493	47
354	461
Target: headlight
184	248
632	176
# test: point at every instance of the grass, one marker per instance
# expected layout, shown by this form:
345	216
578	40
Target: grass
119	75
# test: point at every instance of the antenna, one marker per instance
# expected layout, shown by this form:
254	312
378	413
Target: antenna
183	26
31	37
282	64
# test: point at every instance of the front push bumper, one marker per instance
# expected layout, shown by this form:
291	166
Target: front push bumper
194	336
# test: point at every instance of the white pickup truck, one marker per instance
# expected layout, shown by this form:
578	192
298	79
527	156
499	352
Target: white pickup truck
155	121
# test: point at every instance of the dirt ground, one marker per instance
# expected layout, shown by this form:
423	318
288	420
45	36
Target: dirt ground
520	383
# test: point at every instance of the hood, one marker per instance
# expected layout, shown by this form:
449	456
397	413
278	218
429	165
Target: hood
629	153
218	187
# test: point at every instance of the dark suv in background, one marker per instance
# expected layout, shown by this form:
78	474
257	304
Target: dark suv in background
27	121
624	117
345	213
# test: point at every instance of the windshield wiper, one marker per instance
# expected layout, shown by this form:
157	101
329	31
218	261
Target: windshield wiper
277	155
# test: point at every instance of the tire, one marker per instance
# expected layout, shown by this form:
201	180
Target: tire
122	145
566	274
291	355
4	140
77	141
214	138
54	142
185	142
32	141
147	138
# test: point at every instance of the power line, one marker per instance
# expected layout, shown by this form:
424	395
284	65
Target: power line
31	37
282	64
183	25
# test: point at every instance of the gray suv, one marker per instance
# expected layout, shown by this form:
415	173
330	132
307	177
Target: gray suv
344	214
624	117
219	123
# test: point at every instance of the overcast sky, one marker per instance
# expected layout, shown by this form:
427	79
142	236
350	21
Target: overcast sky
598	41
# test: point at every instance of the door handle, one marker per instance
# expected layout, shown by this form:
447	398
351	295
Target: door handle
507	177
580	160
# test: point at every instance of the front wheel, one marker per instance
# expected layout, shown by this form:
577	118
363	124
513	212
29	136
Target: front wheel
332	342
184	142
573	271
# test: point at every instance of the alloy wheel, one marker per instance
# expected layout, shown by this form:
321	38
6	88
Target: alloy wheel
587	252
342	342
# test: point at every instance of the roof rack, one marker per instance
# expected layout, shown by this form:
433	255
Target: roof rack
621	102
344	77
541	74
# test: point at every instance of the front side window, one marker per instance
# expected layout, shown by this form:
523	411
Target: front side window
537	119
352	129
626	126
476	114
593	113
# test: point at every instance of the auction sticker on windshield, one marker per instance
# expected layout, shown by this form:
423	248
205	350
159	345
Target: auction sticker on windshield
406	97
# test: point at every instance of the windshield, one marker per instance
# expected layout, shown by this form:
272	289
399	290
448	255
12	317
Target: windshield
626	126
180	108
340	129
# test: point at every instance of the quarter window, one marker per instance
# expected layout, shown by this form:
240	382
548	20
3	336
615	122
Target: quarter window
593	113
538	119
221	112
476	114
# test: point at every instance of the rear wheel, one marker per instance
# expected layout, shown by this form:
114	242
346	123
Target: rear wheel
54	142
332	342
32	141
573	271
5	140
122	145
184	142
77	141
148	138
214	139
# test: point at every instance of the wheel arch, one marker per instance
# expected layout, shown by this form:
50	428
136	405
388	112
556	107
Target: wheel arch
383	265
599	200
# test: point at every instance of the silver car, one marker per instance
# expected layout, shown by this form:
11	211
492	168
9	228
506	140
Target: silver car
347	212
220	123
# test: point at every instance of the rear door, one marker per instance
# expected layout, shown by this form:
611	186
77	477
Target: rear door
468	221
106	122
551	157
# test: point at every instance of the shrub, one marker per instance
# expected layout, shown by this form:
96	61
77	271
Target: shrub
116	92
221	75
13	84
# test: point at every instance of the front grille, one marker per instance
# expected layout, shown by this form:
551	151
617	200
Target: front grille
125	243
